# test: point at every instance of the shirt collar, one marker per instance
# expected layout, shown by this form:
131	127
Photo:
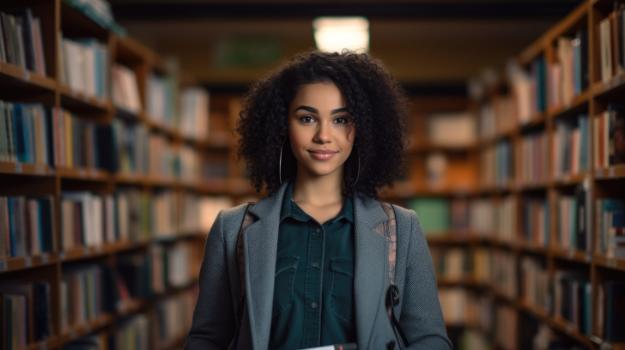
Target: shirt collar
292	210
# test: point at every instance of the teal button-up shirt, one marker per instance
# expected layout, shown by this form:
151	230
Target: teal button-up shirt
313	294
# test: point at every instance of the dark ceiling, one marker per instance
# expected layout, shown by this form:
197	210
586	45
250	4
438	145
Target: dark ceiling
426	44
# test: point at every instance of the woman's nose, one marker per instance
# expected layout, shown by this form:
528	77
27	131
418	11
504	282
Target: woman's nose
323	133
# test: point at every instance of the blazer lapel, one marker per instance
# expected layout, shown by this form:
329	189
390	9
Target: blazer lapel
370	266
260	244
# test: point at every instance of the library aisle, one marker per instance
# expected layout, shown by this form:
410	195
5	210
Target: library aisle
117	152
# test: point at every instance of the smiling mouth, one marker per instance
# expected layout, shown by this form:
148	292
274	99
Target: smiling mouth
322	155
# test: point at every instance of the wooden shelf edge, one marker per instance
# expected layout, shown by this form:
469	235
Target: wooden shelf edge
27	77
11	264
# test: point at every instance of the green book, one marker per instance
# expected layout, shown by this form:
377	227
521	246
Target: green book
433	214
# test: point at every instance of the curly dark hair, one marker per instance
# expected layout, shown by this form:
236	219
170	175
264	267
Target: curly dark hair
373	98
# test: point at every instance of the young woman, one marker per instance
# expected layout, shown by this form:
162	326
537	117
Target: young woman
321	135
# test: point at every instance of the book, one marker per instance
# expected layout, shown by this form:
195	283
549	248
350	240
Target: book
536	220
194	113
85	66
570	146
433	214
160	99
610	216
534	158
27	226
125	89
611	302
452	129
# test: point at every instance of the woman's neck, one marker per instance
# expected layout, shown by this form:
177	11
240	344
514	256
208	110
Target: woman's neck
317	191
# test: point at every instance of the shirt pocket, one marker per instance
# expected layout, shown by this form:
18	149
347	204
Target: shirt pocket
342	287
286	267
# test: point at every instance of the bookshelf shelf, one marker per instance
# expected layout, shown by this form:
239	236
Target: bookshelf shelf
533	186
83	253
611	263
86	174
79	102
616	172
570	180
127	115
577	105
13	168
80	330
535	121
571	255
608	89
570	330
533	248
19	78
28	262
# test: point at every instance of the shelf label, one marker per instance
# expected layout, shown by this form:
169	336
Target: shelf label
26	75
43	346
28	261
62	255
3	265
86	251
45	258
18	167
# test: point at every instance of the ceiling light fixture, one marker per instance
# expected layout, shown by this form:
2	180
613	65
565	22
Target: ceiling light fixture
333	34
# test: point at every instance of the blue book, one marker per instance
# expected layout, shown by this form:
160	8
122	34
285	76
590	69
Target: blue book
18	132
584	135
45	223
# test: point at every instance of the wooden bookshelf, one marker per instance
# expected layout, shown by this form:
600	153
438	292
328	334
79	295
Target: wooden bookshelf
35	180
590	264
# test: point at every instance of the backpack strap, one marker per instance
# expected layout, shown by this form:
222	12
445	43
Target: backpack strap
390	231
392	293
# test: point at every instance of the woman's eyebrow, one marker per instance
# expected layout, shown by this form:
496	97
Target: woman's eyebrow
307	108
339	110
314	110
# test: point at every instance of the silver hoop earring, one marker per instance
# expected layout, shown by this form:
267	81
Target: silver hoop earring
357	171
280	164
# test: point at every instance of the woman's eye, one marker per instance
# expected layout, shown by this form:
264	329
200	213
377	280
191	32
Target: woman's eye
342	120
306	119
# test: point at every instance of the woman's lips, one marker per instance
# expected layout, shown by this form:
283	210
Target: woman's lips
322	155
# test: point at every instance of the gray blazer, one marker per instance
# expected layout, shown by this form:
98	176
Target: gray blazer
216	317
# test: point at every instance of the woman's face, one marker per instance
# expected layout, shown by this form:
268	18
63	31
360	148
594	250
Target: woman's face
321	131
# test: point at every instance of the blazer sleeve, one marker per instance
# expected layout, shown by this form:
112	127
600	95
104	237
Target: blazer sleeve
213	324
421	317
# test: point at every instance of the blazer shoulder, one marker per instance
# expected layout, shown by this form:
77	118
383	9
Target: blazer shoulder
231	218
403	214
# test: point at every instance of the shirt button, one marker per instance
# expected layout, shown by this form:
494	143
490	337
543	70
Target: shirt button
313	305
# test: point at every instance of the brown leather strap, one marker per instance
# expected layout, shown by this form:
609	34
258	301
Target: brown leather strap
390	230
